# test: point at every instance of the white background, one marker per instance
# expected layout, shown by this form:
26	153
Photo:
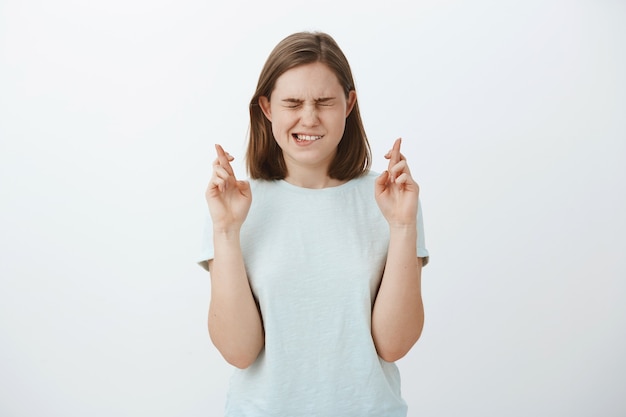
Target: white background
514	120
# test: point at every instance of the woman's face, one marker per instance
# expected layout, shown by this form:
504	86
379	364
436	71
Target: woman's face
308	110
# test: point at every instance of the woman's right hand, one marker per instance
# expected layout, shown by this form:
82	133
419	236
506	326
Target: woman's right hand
228	199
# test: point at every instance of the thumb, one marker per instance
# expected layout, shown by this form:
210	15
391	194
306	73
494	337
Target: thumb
244	188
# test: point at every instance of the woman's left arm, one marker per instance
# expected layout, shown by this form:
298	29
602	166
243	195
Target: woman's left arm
398	313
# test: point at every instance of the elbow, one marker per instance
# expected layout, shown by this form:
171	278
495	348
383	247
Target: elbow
238	350
391	357
392	354
237	356
241	361
235	353
394	349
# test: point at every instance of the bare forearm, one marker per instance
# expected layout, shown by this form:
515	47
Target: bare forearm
398	314
235	323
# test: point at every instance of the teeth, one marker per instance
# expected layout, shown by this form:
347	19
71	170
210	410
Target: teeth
307	137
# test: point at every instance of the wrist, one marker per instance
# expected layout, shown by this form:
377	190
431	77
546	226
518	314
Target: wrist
228	232
405	232
403	227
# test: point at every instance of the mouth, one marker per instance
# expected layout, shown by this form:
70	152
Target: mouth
299	137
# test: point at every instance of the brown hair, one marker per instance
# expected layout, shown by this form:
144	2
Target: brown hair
264	157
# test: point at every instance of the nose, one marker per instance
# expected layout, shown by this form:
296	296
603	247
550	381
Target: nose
309	116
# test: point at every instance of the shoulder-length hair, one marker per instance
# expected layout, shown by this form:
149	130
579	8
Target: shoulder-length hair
264	157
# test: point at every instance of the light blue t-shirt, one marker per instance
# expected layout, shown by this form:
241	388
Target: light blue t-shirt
315	258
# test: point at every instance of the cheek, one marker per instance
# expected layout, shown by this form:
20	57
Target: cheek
275	131
279	128
282	122
339	122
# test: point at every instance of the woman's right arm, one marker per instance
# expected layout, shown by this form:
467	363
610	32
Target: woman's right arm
235	323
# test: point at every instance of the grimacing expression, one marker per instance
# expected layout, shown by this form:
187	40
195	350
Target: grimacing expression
308	109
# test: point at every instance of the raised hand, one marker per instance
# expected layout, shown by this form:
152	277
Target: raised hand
228	199
396	192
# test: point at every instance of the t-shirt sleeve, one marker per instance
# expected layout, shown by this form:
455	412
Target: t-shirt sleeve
422	252
206	247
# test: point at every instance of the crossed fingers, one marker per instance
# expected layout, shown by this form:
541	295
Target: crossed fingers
398	168
223	172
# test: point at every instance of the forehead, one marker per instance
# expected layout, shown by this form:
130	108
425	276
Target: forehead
315	79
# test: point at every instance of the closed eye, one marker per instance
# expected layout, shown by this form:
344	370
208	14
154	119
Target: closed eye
291	103
325	101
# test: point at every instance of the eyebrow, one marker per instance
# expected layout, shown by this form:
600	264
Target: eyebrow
317	100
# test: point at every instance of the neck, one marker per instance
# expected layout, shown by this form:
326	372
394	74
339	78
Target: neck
312	179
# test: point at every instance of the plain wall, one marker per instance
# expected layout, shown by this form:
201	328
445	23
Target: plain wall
513	115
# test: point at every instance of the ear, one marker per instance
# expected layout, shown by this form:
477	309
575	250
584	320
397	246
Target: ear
264	103
350	102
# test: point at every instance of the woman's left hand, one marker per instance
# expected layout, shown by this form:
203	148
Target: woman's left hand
396	192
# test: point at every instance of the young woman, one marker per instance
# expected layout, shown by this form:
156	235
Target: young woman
315	262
